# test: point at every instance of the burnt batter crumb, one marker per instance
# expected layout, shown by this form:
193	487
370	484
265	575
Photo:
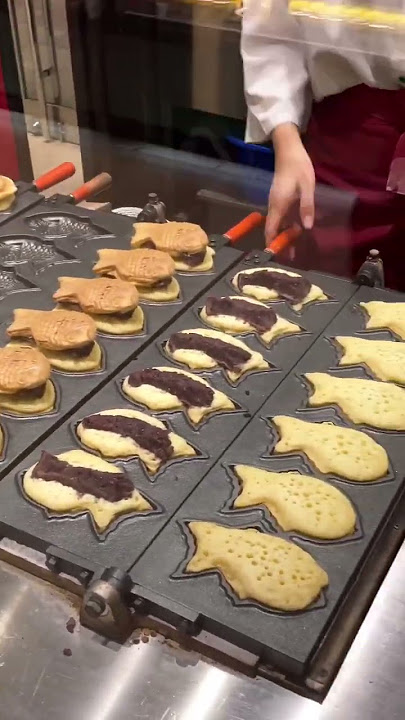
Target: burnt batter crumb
70	625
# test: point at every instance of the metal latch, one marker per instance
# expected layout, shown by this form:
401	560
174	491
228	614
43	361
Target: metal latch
106	605
371	273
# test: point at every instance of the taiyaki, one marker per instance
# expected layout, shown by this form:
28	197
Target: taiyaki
364	402
237	315
385	315
150	270
185	242
210	349
7	193
112	303
332	449
270	283
166	388
76	482
122	433
298	502
25	387
65	337
257	566
385	358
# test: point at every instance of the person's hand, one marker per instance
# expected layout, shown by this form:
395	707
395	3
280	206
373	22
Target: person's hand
294	180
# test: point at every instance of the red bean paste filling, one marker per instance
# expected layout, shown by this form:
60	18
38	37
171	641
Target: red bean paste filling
31	394
192	260
293	289
154	439
80	352
189	392
108	486
260	318
160	284
164	283
226	355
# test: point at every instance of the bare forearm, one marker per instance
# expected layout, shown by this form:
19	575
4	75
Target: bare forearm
285	137
294	179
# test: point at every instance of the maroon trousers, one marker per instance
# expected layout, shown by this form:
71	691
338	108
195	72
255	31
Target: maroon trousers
352	140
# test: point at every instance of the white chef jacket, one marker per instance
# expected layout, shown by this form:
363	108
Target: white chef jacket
289	60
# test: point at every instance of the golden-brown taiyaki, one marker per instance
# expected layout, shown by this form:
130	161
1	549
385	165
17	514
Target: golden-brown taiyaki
185	242
112	303
25	387
150	270
65	337
7	193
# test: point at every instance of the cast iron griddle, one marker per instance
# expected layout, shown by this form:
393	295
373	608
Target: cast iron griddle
25	522
287	641
29	269
25	199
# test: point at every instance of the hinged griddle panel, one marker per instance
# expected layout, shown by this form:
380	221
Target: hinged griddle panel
125	544
29	271
289	642
25	200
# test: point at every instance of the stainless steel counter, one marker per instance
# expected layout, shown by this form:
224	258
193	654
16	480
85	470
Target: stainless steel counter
152	681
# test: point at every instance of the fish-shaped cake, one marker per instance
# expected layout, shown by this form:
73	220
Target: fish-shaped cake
185	242
385	315
150	270
25	387
112	303
76	481
368	402
257	566
385	358
65	337
129	433
298	502
7	192
270	283
166	388
333	449
237	315
210	349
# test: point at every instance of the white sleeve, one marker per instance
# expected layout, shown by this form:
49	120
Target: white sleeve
275	75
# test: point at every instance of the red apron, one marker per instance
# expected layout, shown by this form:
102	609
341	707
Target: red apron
8	151
353	139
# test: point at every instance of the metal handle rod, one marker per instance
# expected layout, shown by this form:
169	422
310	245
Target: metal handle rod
47	17
17	48
37	71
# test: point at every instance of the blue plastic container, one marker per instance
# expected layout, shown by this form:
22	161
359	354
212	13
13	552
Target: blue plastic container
244	153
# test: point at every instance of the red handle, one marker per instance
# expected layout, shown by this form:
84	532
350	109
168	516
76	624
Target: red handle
52	177
250	222
283	240
92	187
